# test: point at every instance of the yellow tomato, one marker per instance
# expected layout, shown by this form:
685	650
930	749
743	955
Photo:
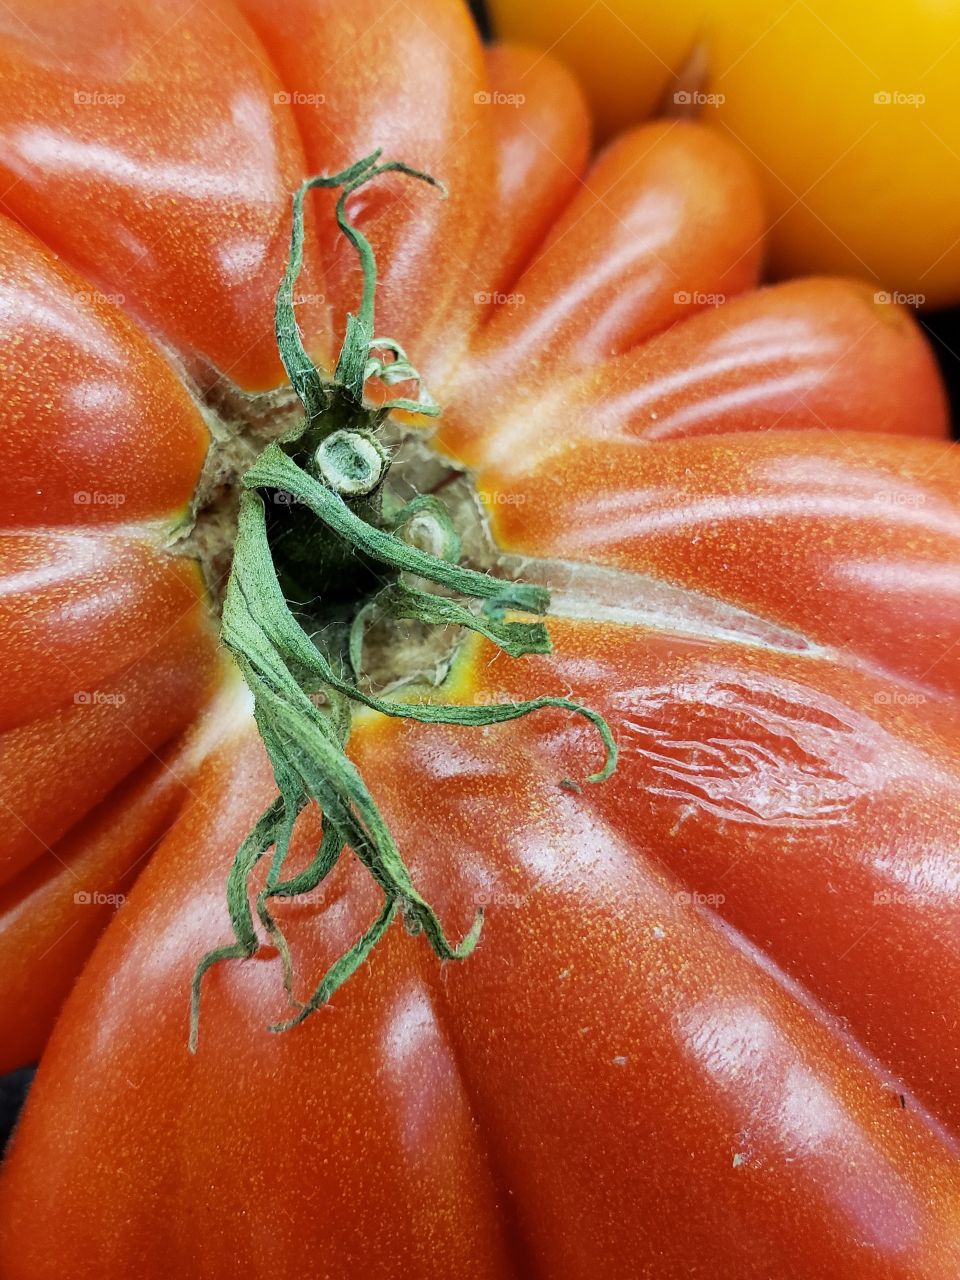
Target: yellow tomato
852	111
624	54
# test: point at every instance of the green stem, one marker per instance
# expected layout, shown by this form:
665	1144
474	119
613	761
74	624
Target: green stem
275	470
302	689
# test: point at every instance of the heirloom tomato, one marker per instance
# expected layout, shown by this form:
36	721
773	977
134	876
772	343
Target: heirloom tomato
711	1025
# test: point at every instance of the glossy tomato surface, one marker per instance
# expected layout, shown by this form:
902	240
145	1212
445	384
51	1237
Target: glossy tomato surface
712	1026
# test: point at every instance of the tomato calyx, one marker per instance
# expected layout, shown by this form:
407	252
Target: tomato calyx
344	533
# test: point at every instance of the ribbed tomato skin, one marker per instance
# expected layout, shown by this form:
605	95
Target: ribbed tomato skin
712	1025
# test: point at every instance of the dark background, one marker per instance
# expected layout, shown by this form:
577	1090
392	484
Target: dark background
13	1090
943	328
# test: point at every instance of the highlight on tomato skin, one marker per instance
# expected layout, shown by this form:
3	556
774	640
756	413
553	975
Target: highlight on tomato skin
480	777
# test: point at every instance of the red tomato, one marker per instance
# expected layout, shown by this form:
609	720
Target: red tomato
712	1026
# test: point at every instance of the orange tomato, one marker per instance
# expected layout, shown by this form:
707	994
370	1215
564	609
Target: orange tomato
711	1026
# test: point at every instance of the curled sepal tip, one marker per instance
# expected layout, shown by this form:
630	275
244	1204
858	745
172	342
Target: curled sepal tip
362	355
